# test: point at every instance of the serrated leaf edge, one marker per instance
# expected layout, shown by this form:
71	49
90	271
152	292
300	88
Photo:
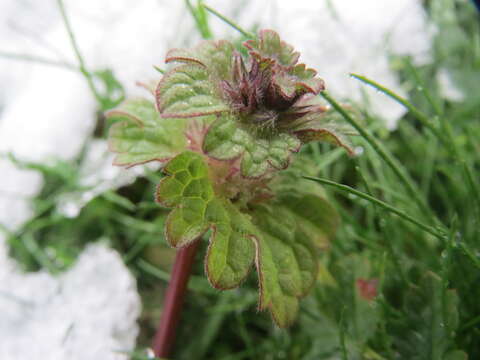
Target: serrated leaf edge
213	228
261	302
158	98
110	145
268	171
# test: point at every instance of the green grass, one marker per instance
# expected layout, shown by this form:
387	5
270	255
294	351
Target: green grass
425	252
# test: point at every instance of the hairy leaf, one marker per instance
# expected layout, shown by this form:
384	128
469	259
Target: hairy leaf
297	82
140	135
269	46
187	91
189	190
286	261
227	140
292	228
324	126
279	236
215	56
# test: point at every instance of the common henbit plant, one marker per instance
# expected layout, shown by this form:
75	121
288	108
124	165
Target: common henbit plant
223	125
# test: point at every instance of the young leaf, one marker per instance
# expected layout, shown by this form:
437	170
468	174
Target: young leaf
186	91
323	125
268	45
263	103
226	140
140	135
215	56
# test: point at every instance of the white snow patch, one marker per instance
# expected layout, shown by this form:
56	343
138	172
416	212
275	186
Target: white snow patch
87	313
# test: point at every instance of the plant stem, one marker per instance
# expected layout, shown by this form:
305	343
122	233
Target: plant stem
173	302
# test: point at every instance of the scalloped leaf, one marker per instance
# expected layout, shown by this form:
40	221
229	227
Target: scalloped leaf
275	235
216	56
291	87
286	261
187	91
188	189
292	228
226	140
307	79
140	135
324	126
268	45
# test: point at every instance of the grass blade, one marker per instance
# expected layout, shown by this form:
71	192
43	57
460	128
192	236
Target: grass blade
382	152
229	22
380	203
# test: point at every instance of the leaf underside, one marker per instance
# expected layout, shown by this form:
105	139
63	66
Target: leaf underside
139	135
187	91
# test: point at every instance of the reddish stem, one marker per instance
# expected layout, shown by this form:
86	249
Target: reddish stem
172	307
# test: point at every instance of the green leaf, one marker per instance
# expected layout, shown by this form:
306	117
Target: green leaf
324	126
286	263
191	89
269	46
279	236
291	229
361	314
306	79
215	56
297	82
338	307
189	190
139	135
187	91
226	139
456	355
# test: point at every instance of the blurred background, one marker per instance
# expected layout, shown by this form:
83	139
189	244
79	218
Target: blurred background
83	262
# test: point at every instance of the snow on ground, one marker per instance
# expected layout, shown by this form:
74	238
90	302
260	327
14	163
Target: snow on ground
48	112
87	313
